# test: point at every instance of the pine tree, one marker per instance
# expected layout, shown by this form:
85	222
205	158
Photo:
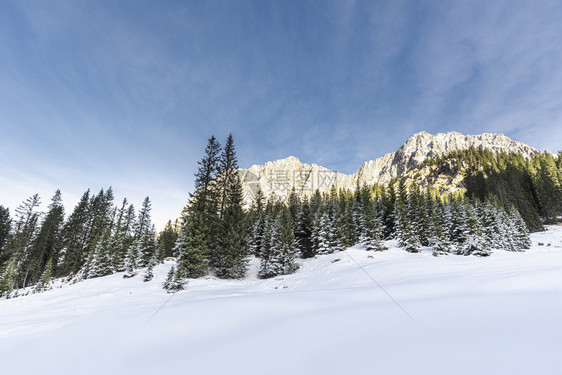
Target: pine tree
303	230
102	263
7	279
20	243
438	237
475	241
174	281
74	237
280	259
549	188
322	234
521	238
166	240
132	259
407	237
121	236
45	280
5	228
231	254
371	236
48	242
256	238
192	261
227	170
149	274
200	219
145	234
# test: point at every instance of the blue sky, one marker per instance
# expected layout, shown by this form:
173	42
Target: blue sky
85	102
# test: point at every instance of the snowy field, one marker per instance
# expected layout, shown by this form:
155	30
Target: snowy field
469	315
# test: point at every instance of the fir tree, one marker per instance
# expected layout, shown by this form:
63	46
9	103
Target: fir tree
280	259
45	280
48	242
132	258
200	219
149	274
101	263
145	234
20	243
303	230
256	238
407	237
371	236
74	237
438	237
7	279
166	240
174	281
5	228
231	254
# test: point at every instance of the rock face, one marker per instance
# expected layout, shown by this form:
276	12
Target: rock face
277	178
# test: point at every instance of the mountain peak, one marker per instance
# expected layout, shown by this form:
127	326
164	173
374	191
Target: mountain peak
278	177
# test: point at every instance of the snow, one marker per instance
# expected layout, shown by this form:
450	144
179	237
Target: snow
494	315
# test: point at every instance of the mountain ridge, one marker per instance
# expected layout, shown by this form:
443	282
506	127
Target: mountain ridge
278	177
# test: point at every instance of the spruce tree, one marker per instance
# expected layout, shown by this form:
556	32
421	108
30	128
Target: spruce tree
20	243
174	281
7	278
74	237
304	229
257	235
232	250
102	262
166	240
405	233
280	259
45	280
371	236
201	218
5	228
149	274
438	237
48	242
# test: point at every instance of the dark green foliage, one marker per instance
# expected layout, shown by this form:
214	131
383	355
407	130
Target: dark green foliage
48	242
281	254
303	230
45	280
166	240
7	278
372	233
533	187
175	281
21	241
74	237
230	257
197	242
5	227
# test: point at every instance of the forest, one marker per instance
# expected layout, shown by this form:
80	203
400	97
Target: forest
507	196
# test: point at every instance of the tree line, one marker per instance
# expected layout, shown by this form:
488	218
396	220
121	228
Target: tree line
98	238
506	196
532	185
217	235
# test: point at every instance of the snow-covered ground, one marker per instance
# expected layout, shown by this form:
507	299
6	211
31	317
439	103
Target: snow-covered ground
469	315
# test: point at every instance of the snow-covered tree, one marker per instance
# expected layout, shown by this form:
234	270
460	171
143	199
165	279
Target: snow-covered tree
280	259
371	236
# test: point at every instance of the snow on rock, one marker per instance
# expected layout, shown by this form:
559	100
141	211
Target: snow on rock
280	176
494	315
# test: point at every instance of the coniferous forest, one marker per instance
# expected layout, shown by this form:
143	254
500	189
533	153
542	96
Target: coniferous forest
507	196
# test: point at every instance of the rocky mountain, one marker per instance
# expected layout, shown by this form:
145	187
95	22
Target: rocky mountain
279	177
